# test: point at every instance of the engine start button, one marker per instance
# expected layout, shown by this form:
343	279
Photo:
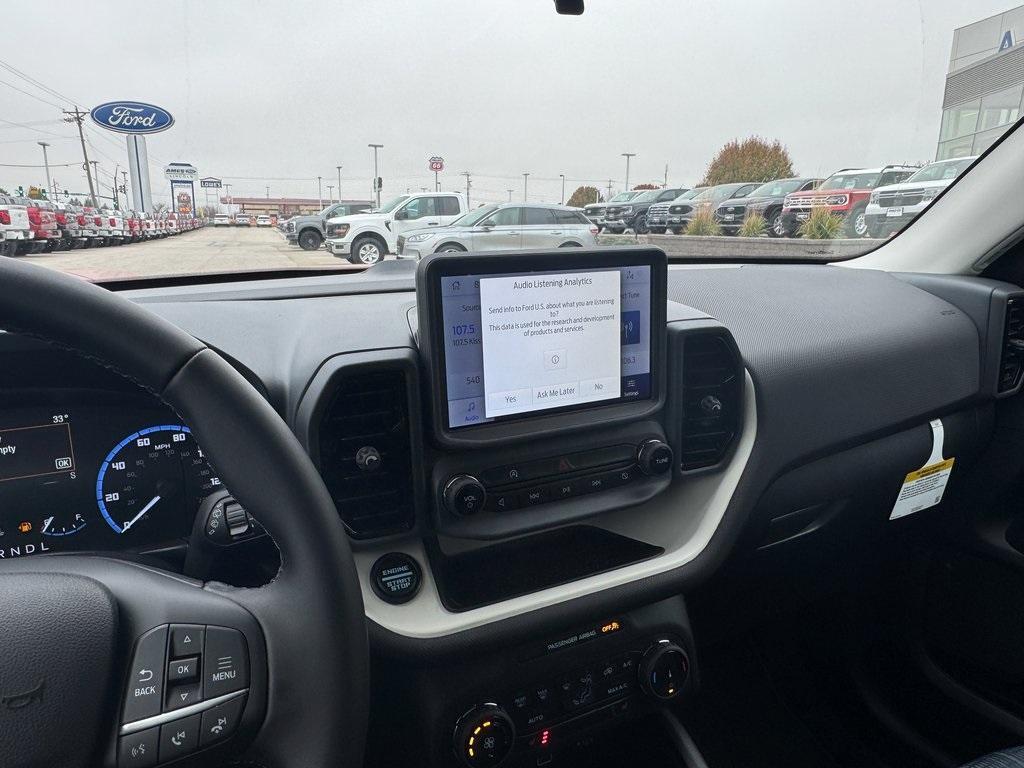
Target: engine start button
395	578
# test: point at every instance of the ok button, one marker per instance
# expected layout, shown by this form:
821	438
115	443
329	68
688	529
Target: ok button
183	669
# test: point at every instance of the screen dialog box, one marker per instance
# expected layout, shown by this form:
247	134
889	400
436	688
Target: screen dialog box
550	340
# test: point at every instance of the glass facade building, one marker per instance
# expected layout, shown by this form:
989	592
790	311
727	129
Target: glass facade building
984	86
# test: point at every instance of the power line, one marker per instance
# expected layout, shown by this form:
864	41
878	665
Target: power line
30	95
38	84
52	165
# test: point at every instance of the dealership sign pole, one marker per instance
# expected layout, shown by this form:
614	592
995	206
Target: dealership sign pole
437	165
135	119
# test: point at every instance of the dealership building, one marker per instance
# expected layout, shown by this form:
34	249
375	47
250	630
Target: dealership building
984	84
281	206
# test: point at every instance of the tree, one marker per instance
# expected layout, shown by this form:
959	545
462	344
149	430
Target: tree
753	159
645	186
584	196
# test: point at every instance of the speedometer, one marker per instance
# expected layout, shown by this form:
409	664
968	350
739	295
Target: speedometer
152	474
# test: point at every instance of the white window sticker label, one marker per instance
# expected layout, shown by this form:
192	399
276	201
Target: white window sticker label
924	487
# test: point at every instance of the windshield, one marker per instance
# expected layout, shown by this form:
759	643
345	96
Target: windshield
851	181
473	217
779	188
616	105
943	171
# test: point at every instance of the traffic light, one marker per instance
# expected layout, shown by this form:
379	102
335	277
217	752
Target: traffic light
380	183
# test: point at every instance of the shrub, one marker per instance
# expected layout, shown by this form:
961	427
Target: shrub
703	223
754	225
822	224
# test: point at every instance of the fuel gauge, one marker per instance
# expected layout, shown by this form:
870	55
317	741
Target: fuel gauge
62	524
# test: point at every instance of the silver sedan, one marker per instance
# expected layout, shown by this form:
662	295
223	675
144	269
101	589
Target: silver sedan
504	226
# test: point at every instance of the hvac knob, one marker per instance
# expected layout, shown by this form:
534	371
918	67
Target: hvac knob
663	670
484	736
654	457
464	495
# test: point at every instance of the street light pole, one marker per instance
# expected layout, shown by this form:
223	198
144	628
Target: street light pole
562	201
320	189
339	182
268	193
628	155
228	193
46	164
376	174
510	194
96	175
466	174
330	193
526	178
124	186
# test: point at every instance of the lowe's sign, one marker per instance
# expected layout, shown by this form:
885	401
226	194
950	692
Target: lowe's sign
132	117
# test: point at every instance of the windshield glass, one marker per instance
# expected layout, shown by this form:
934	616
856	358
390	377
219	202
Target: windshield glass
612	106
851	181
777	188
943	171
473	217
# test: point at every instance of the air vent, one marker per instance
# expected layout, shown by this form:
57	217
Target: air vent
712	400
366	455
1011	366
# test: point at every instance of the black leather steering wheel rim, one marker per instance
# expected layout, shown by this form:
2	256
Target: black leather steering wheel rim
311	615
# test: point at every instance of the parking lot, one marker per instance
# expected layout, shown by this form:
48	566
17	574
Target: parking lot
210	249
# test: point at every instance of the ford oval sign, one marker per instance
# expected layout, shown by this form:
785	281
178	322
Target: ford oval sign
132	117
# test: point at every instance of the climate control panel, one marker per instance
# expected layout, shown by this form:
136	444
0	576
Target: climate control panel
532	721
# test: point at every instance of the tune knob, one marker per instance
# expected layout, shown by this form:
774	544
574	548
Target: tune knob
711	405
654	457
464	495
663	669
484	736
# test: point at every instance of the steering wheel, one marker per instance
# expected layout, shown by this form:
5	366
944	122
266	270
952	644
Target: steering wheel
91	647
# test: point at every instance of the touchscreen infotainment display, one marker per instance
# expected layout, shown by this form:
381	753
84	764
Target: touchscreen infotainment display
515	344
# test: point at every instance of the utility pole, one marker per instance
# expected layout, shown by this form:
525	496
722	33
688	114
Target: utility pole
320	189
268	193
526	178
77	116
227	187
628	155
96	175
466	174
562	201
609	191
339	182
113	190
510	191
666	177
46	164
376	174
124	185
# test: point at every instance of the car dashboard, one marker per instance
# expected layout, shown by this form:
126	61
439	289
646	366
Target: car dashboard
779	398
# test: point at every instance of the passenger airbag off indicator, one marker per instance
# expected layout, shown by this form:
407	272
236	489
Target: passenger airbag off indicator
395	578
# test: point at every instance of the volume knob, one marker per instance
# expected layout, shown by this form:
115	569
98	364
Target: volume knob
464	495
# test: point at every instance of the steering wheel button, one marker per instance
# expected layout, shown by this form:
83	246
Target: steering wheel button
220	721
179	738
179	696
138	750
146	677
183	669
186	640
225	662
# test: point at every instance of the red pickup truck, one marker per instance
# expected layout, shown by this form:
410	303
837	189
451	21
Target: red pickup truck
845	193
43	223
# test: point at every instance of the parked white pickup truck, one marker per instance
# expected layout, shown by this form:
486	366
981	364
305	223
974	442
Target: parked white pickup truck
365	238
14	225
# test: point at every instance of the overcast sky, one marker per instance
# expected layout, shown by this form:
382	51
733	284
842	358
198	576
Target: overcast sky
284	90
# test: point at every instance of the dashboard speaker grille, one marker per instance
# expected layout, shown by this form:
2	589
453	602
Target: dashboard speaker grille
712	399
1011	365
369	416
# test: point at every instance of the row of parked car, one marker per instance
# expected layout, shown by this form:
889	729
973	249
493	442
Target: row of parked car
39	226
244	220
414	225
872	202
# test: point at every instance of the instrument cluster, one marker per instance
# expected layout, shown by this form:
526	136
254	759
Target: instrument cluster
98	474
